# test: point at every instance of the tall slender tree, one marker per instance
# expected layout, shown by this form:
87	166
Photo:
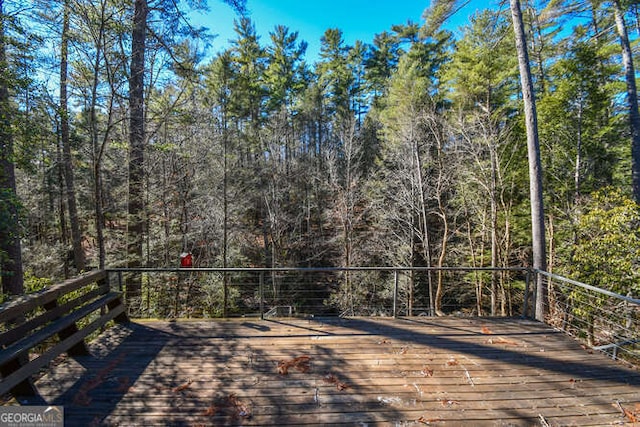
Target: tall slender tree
67	160
535	165
617	8
10	247
135	222
632	96
248	84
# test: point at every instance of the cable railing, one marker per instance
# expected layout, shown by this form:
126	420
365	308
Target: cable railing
601	319
331	291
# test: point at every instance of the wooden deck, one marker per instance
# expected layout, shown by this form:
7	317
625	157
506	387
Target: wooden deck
364	371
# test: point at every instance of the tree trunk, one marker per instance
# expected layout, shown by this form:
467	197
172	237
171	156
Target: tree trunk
535	166
426	244
494	225
70	193
577	175
225	206
135	221
440	189
477	280
441	258
10	249
97	148
62	208
632	98
99	211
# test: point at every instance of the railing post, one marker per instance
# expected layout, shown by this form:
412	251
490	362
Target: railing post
395	293
122	318
225	294
525	307
261	292
534	293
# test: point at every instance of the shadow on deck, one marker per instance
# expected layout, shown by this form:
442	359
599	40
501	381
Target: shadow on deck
359	371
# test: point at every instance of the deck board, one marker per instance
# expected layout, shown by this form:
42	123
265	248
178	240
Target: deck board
418	371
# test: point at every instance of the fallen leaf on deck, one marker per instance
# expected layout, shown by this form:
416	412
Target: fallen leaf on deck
229	406
82	397
182	387
427	371
241	410
452	362
332	379
633	417
486	331
447	402
300	363
500	340
210	411
423	420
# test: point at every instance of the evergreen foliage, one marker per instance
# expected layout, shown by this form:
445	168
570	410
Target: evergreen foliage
408	149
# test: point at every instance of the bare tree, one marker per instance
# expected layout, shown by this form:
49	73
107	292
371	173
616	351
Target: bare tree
344	171
440	185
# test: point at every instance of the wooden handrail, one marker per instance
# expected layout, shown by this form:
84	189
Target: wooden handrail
28	302
70	310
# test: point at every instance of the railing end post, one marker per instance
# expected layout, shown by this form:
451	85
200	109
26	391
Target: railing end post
395	294
527	284
261	295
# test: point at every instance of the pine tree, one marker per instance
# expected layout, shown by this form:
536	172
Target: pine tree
10	247
381	63
282	75
70	191
135	218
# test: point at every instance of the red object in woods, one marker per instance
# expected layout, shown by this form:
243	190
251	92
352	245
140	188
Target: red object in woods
186	260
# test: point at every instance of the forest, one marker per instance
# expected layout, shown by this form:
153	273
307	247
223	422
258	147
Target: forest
125	142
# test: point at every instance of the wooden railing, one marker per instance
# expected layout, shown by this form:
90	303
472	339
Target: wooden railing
36	328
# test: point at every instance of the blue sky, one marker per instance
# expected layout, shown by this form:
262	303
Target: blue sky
358	19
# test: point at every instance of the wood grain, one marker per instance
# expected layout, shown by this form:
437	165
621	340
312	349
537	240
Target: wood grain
414	371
